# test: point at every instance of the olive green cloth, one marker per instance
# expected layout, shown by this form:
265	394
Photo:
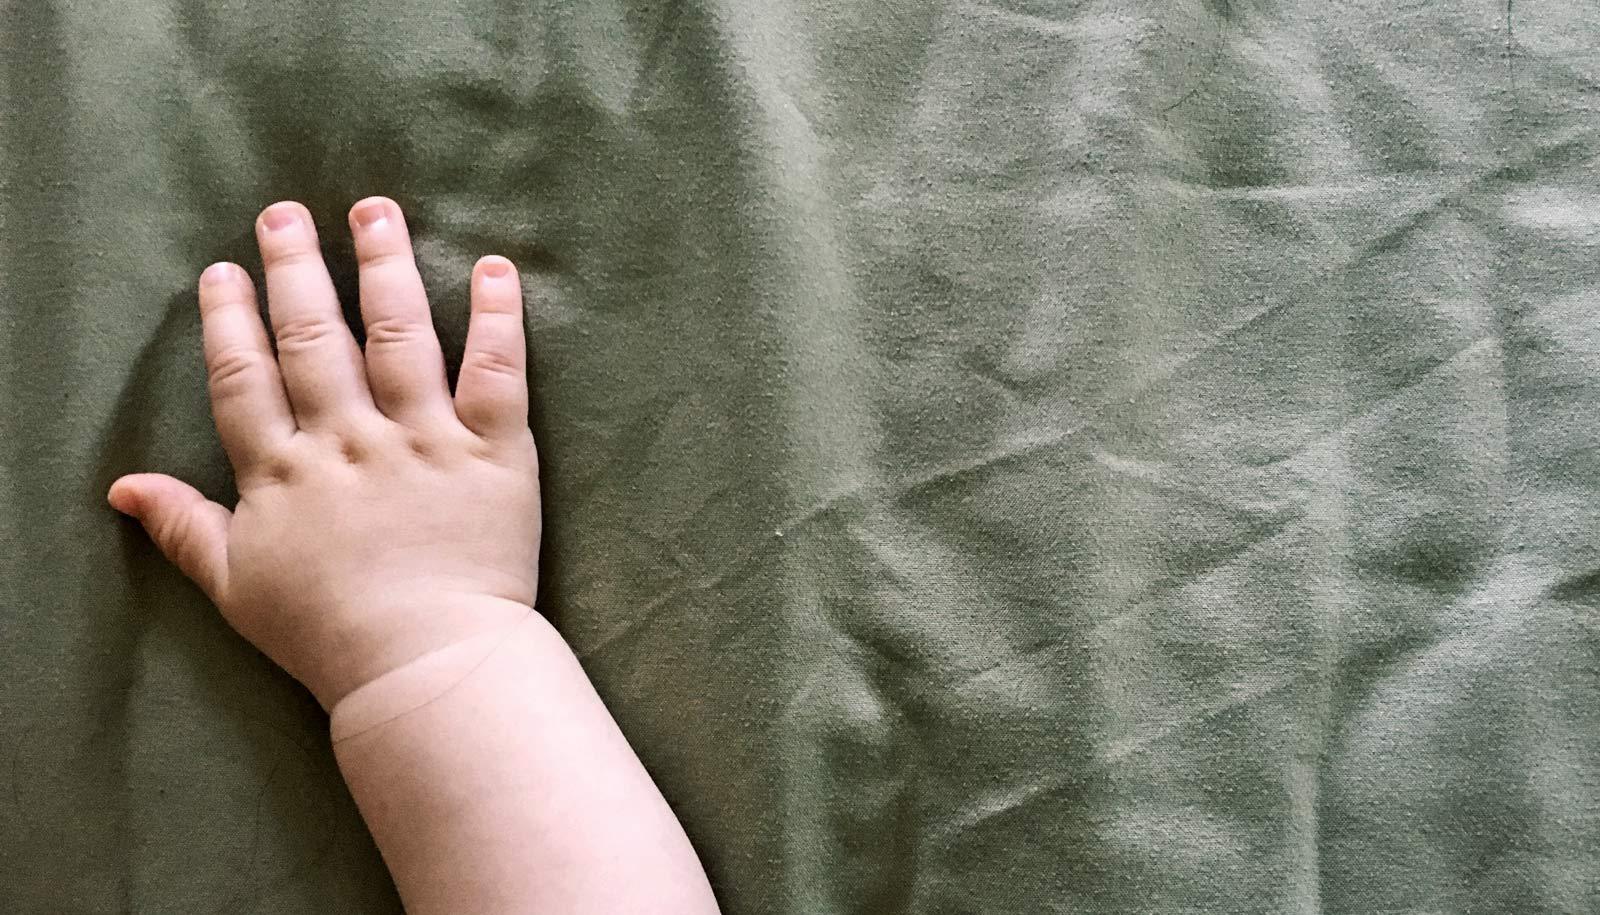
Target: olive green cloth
999	457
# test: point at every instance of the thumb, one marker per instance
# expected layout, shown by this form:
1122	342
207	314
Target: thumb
189	529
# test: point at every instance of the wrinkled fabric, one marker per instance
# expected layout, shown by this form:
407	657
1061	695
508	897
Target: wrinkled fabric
999	456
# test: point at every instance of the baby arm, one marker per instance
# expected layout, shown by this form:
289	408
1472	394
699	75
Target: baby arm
384	552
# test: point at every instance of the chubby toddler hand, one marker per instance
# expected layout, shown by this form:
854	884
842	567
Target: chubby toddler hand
380	518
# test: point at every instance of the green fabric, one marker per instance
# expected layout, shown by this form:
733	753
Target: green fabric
999	456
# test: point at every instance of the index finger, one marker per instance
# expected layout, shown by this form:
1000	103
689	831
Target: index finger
247	399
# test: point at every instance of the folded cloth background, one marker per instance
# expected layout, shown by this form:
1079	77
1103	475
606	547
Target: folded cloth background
1001	456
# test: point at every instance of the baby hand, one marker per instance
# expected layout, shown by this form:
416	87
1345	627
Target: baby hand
379	519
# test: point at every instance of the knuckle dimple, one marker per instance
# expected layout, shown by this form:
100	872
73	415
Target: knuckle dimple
421	447
350	451
277	469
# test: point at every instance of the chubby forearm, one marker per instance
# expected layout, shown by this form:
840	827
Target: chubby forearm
494	780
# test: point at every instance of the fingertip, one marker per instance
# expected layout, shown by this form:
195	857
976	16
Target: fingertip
223	283
371	212
495	267
218	273
124	496
283	214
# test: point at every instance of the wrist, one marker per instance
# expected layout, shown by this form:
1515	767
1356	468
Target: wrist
347	658
427	677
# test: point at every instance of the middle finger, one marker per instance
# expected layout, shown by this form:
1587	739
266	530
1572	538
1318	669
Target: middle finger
317	355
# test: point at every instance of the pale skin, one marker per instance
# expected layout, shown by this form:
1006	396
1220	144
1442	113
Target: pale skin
384	552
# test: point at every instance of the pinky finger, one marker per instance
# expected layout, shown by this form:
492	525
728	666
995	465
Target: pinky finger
492	392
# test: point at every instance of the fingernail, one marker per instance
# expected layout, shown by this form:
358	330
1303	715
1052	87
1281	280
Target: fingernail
496	267
371	215
216	273
280	216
